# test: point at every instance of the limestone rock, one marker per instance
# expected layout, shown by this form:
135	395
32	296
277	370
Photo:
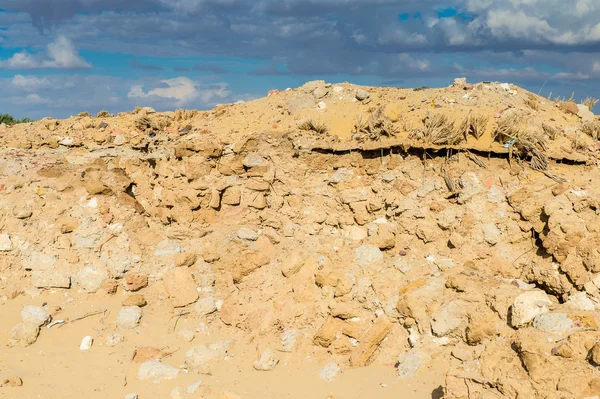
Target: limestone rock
129	317
23	334
411	362
157	371
329	371
5	243
527	306
267	361
366	255
135	300
370	342
201	358
185	259
135	281
45	278
35	315
91	278
181	287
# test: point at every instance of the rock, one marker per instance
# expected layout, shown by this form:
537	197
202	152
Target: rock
527	306
409	363
580	301
131	396
470	186
356	233
12	382
91	278
187	334
23	334
95	187
267	361
176	393
135	300
329	371
201	358
44	278
193	387
366	255
157	371
447	319
86	343
146	353
585	114
167	248
110	286
114	339
135	281
362	94
460	82
569	107
254	160
181	287
491	234
320	92
147	110
5	243
205	306
288	340
232	196
370	342
35	315
594	355
185	259
328	332
341	175
129	317
247	234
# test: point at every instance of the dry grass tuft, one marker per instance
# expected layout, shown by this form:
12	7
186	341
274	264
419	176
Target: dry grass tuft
185	114
311	125
144	123
529	142
590	102
439	130
84	115
104	114
592	129
532	102
376	126
551	132
474	125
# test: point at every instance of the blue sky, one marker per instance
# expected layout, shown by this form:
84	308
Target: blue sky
60	57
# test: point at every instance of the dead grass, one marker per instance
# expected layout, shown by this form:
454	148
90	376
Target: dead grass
474	125
84	115
310	125
185	114
590	102
514	131
439	130
377	126
551	132
144	123
532	102
104	114
592	129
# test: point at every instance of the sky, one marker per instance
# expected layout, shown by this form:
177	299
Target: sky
61	57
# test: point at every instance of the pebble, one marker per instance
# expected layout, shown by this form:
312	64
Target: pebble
247	234
34	315
267	361
131	396
5	243
157	371
86	343
129	317
329	371
193	388
12	382
362	94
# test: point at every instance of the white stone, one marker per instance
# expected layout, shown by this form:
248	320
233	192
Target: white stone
157	371
5	243
193	388
114	339
34	315
329	371
86	343
167	248
129	317
51	278
91	278
527	306
491	234
447	319
205	306
187	334
267	361
322	105
409	363
245	233
288	340
341	175
367	255
131	396
253	160
355	233
202	357
581	301
176	393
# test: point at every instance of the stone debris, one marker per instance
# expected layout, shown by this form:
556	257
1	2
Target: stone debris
267	361
157	371
329	371
86	343
129	317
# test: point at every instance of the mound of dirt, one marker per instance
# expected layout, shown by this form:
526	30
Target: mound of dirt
448	233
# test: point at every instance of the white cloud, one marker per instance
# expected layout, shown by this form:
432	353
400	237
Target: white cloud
183	90
60	54
31	99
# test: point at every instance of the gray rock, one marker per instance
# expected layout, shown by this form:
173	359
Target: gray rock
167	248
580	301
38	260
320	92
555	323
491	234
329	371
362	94
201	358
245	233
129	317
354	195
131	396
5	243
253	160
341	175
447	319
527	306
585	114
460	82
288	340
410	362
23	334
35	315
88	238
114	339
51	278
157	371
147	110
366	255
193	388
91	278
470	186
205	306
267	361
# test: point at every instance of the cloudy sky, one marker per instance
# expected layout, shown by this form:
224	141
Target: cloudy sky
59	57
